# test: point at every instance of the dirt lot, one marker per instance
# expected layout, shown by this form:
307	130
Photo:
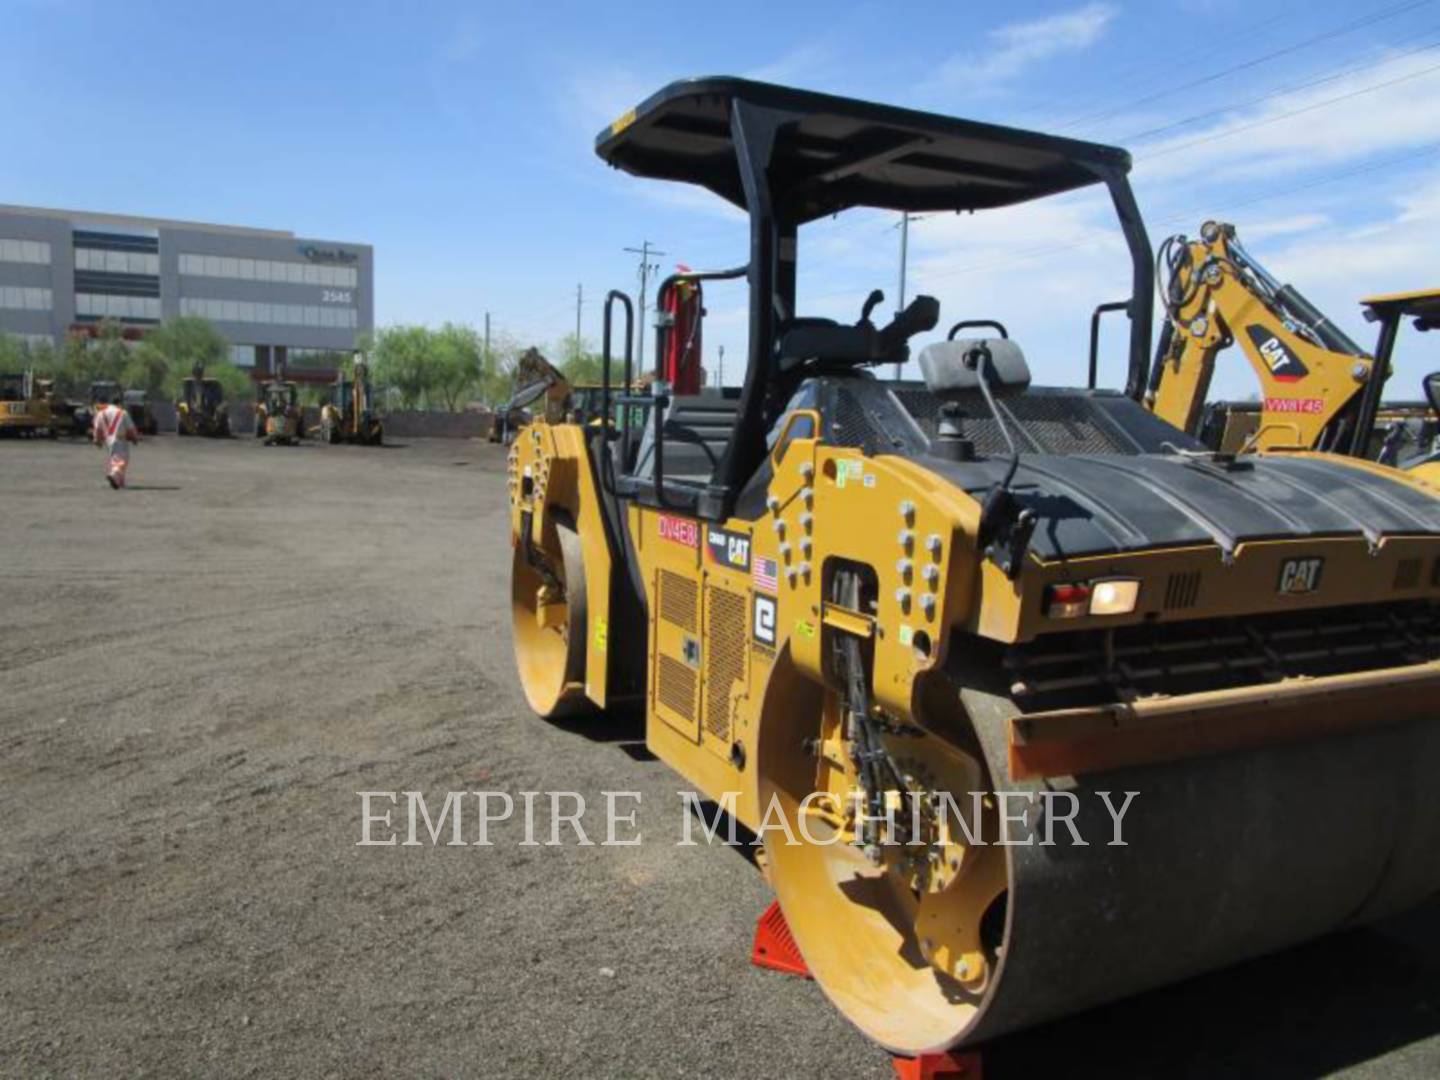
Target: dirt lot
203	671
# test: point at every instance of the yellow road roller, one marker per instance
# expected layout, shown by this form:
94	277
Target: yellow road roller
1035	701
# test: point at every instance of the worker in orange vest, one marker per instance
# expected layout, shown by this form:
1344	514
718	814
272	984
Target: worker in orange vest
114	431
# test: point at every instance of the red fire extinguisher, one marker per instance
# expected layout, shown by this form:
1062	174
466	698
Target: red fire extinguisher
682	304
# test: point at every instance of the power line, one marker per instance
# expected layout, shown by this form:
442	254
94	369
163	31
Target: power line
1167	65
1291	113
1265	58
1279	90
645	251
1188	215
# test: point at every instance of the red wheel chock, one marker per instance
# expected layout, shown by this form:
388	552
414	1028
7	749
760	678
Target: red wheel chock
775	946
947	1066
776	950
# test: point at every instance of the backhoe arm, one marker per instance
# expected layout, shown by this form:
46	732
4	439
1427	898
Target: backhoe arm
1310	373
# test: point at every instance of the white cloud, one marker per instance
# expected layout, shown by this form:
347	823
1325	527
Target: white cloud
1393	104
808	64
1285	226
1014	47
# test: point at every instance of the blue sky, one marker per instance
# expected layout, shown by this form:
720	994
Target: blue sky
457	138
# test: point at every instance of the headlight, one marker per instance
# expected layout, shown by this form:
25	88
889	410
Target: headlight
1110	596
1117	596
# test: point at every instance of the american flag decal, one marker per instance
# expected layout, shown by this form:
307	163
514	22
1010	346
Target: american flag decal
765	573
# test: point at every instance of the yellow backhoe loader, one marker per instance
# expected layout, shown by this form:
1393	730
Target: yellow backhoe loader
1318	388
349	415
24	407
202	408
279	418
908	661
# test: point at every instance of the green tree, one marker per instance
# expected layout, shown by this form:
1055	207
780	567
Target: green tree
428	368
17	356
456	354
103	357
170	352
236	381
582	364
400	360
497	380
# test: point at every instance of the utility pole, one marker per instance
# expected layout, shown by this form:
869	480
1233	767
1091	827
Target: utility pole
904	258
579	300
486	364
721	383
645	251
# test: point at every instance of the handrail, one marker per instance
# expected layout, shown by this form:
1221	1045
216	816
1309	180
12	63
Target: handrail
605	357
1114	305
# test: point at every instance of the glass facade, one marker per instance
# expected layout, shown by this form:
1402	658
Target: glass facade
117	262
26	298
272	270
24	251
317	359
248	311
106	306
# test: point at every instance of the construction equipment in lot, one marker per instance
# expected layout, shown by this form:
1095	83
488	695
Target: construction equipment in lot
1390	311
872	646
137	404
202	408
1319	389
24	407
279	420
349	415
537	383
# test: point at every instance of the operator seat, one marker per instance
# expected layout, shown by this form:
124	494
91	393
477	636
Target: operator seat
1042	419
697	432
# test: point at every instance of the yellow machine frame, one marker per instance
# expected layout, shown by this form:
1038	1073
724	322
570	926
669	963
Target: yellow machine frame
282	426
823	629
1316	385
352	419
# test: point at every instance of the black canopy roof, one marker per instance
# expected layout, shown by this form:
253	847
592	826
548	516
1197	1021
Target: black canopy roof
840	152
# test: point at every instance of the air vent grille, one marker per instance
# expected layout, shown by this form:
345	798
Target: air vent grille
678	600
725	612
1182	591
675	687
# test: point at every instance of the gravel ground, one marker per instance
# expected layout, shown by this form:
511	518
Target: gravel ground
203	671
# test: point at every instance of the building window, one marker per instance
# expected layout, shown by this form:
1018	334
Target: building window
125	308
276	270
117	262
242	355
341	318
25	298
24	251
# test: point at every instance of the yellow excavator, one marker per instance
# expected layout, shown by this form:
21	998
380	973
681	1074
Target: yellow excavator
1047	705
1318	388
349	415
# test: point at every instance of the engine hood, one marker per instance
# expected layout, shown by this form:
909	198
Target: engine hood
1108	504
